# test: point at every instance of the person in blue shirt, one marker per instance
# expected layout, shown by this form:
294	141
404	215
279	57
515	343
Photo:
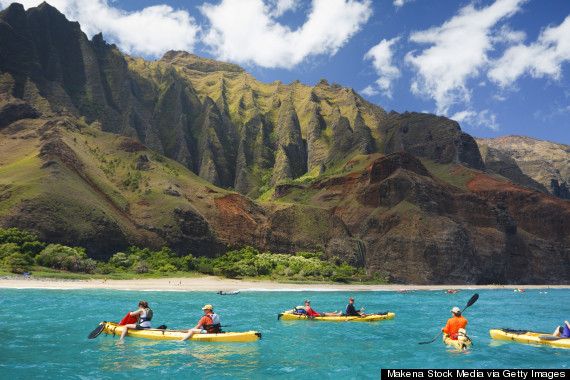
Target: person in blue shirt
563	331
351	310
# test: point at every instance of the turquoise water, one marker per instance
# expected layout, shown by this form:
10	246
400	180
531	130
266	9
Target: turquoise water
43	333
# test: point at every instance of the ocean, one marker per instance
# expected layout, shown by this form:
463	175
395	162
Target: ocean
43	334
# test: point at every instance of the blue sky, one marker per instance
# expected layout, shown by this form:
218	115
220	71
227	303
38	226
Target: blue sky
498	67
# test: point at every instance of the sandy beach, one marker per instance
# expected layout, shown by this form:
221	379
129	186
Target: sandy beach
212	283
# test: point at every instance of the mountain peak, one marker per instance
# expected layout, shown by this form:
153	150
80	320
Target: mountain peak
194	62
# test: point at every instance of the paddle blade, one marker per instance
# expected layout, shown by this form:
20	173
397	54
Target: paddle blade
95	333
471	301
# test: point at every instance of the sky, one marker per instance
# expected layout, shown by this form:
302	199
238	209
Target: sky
498	67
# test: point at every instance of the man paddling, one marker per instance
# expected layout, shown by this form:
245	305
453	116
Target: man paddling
351	310
455	323
209	323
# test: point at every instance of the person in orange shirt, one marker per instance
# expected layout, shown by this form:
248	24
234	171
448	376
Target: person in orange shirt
209	323
455	323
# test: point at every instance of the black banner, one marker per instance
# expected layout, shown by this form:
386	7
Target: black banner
517	374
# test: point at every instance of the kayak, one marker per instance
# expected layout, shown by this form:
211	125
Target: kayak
288	315
157	334
222	293
460	344
525	336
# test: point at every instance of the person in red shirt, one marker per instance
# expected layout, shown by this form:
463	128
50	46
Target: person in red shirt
205	323
455	323
312	313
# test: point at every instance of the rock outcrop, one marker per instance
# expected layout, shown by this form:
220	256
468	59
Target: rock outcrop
538	165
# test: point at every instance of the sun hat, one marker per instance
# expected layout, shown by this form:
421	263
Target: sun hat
456	310
208	307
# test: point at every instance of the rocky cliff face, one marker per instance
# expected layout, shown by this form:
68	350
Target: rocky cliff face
418	229
539	165
103	150
210	116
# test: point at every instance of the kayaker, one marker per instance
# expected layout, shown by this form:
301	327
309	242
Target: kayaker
209	323
563	331
455	323
144	315
312	313
350	310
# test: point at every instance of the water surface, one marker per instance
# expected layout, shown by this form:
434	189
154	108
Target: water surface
43	333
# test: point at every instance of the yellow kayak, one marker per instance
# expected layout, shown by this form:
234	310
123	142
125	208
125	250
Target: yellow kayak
114	329
460	344
288	315
524	336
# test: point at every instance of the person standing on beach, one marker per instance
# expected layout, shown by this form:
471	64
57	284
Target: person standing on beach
208	324
455	323
144	315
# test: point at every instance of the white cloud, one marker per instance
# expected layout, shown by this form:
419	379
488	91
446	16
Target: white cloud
381	56
543	58
370	91
482	119
458	52
400	3
282	6
150	31
245	31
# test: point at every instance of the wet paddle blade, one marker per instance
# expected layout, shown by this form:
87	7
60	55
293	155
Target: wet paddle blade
471	301
95	333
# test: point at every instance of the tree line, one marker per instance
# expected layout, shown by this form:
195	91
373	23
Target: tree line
20	251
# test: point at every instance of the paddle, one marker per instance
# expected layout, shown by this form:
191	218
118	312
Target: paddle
550	337
95	333
471	302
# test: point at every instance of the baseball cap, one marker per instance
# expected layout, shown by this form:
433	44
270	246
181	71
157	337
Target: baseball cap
208	307
352	299
309	301
456	310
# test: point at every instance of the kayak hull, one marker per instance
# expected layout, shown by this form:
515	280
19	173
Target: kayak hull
456	343
368	318
155	334
529	337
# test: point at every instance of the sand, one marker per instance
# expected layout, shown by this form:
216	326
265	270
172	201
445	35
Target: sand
212	283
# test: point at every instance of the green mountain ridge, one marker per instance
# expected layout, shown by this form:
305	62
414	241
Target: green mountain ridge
104	150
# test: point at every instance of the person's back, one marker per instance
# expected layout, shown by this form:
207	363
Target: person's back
454	324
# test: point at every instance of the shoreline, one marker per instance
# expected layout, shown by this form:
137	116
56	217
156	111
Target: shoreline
213	283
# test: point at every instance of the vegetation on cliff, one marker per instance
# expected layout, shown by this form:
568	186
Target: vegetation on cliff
21	252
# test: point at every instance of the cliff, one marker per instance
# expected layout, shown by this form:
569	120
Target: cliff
104	151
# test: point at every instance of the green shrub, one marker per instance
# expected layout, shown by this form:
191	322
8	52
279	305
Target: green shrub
18	263
310	255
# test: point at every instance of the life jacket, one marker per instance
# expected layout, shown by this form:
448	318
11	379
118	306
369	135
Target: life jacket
215	327
148	317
